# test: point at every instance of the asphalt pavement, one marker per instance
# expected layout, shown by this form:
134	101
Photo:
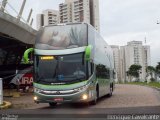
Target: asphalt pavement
128	102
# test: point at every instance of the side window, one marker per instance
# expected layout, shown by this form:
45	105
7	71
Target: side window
90	68
102	71
111	74
98	71
114	74
108	73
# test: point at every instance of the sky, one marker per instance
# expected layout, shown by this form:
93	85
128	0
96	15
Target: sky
121	21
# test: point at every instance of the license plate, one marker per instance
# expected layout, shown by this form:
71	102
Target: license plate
58	99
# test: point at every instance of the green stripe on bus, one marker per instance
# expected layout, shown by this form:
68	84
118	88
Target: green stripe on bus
59	86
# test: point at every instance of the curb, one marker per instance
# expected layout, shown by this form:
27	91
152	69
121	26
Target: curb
6	105
158	89
155	88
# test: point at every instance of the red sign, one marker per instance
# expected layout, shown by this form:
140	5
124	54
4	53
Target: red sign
26	79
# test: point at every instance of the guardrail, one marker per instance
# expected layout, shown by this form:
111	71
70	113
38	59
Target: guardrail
19	16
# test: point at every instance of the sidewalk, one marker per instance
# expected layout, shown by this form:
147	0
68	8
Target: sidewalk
25	101
5	105
20	102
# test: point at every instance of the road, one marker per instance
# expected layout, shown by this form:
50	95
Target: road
126	99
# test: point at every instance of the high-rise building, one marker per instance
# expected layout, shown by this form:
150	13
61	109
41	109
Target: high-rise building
133	53
116	55
122	63
80	11
40	20
72	11
136	53
65	11
48	17
94	14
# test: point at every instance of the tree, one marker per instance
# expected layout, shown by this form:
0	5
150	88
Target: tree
158	68
134	70
158	71
150	71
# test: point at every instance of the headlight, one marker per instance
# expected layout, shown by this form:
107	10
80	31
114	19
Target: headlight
81	88
85	97
35	98
37	90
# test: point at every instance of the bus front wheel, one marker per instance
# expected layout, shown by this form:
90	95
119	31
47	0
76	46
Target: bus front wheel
94	102
52	104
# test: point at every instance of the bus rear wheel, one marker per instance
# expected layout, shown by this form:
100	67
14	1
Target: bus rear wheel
52	104
111	90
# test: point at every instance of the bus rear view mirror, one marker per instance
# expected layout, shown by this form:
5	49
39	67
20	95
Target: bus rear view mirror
88	53
26	55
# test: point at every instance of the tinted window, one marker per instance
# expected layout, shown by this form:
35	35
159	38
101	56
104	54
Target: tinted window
102	71
61	69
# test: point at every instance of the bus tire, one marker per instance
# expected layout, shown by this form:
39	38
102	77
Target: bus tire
94	102
110	90
52	104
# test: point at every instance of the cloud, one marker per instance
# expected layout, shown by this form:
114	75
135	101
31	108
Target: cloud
120	20
37	5
127	20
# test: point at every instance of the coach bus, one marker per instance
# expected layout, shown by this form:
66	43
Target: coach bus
72	63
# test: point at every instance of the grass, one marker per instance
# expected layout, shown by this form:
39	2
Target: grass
151	84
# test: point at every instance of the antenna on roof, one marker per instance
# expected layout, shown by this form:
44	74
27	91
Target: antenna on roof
145	39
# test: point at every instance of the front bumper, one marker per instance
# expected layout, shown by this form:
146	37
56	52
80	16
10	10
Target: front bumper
72	98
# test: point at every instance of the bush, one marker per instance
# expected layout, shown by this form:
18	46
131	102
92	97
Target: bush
153	80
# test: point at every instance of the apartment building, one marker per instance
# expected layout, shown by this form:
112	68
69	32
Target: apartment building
94	14
48	17
72	11
80	11
136	53
116	55
132	53
65	11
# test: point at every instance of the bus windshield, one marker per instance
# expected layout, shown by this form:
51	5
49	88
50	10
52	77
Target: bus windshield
60	69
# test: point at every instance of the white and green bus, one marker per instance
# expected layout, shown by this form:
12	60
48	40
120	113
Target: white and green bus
72	63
